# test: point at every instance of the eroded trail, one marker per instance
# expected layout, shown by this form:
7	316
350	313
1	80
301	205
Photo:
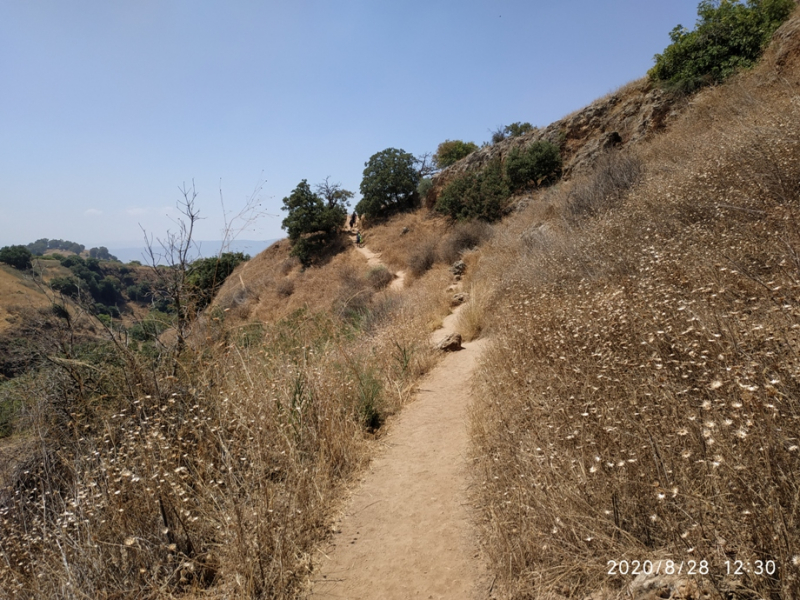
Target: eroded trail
407	531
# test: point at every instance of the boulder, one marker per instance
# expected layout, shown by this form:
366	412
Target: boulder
451	343
459	298
458	268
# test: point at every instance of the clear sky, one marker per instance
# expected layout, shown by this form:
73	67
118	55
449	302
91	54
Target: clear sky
108	106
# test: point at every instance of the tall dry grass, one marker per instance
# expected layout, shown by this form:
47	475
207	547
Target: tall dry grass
136	476
641	398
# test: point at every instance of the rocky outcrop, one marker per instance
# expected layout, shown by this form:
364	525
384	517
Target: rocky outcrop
624	117
451	343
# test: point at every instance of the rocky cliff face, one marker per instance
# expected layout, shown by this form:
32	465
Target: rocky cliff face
624	117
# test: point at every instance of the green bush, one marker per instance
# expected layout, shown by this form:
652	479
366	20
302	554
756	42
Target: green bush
451	151
539	163
513	130
424	186
483	195
67	286
18	257
390	183
153	325
206	275
516	129
728	36
140	292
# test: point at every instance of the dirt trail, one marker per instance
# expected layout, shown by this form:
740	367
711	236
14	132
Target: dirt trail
407	531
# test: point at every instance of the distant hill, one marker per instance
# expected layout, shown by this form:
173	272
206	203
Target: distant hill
205	249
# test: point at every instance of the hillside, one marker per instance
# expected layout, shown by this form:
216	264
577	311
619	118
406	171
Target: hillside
641	401
631	398
16	293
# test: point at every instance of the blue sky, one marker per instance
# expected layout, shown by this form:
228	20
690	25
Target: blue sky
108	107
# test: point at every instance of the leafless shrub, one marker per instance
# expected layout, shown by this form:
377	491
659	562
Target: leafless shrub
285	288
464	236
354	294
422	258
288	265
614	174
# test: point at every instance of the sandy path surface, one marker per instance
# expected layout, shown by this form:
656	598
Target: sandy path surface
407	531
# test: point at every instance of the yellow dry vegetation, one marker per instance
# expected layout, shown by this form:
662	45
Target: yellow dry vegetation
640	402
19	292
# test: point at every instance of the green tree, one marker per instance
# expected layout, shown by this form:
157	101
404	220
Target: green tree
451	151
311	223
101	253
39	246
728	36
538	163
206	275
18	257
389	183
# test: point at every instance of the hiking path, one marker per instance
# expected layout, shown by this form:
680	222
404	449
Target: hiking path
407	531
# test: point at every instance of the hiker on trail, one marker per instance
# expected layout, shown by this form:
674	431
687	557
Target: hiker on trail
352	220
358	238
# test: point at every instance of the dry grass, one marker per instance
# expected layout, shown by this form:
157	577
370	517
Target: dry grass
473	315
640	401
215	472
17	289
394	246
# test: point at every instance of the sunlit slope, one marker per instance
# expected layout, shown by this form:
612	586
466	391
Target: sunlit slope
641	399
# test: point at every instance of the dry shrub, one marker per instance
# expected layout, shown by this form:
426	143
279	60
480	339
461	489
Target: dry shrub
394	246
472	315
285	288
289	264
641	399
464	236
354	294
614	174
213	472
379	278
421	259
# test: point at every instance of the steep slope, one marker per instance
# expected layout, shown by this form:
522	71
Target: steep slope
19	292
641	400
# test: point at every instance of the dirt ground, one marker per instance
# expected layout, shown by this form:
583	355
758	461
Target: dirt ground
407	531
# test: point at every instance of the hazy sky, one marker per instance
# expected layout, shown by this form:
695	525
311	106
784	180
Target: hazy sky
107	107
